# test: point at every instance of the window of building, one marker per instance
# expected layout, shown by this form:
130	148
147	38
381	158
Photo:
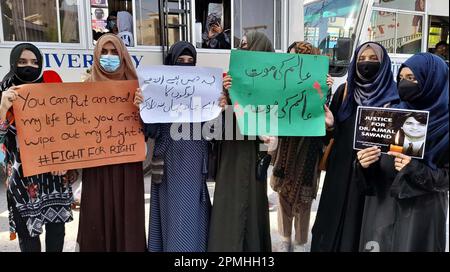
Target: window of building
113	16
213	24
40	21
258	15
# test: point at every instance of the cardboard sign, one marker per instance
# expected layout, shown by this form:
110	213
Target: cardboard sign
62	126
284	93
176	94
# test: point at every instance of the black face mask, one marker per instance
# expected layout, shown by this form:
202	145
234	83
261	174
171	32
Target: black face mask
184	64
28	74
408	90
368	69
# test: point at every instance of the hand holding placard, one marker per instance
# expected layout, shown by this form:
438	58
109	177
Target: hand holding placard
289	88
176	94
77	125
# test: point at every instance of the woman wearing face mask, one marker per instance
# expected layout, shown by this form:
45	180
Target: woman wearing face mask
39	200
240	215
180	203
111	23
112	216
370	83
407	198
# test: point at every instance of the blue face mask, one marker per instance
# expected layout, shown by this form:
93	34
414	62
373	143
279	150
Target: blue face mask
110	63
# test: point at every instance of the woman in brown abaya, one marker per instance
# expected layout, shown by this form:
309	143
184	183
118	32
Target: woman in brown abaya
112	216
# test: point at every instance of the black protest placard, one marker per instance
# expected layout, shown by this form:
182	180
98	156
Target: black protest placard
397	130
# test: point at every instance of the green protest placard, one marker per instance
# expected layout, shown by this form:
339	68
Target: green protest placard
279	94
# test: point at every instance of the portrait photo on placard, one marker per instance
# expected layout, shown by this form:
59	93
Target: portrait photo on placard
402	131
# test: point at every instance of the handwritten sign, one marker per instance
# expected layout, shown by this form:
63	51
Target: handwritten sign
177	94
290	88
402	131
62	126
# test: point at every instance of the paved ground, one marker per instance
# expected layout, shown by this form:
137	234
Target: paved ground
71	228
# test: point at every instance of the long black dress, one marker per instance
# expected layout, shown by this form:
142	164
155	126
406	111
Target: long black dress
404	211
338	220
112	216
240	214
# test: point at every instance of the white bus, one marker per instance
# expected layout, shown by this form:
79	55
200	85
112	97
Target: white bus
66	30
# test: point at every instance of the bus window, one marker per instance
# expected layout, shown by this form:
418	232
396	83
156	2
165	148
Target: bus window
398	32
37	21
147	23
438	38
382	29
330	25
113	16
213	24
409	33
257	15
68	16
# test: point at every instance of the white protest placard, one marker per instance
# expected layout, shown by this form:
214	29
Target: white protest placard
180	94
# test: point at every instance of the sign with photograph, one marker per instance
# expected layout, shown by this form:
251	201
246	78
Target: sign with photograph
396	130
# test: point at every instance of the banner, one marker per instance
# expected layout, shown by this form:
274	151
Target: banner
279	94
397	130
180	94
62	126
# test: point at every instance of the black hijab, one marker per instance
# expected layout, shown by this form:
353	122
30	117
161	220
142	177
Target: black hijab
179	49
12	77
431	73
